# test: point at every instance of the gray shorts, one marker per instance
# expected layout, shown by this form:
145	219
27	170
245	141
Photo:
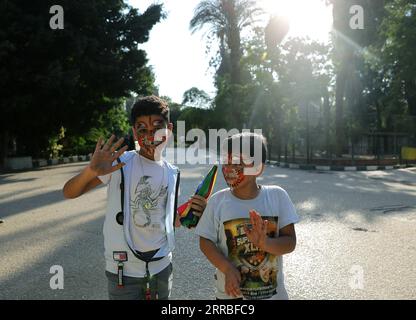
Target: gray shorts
135	288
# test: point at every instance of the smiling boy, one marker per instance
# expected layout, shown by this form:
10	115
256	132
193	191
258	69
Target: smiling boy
247	228
141	205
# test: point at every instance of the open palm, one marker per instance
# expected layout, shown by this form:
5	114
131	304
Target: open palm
105	154
258	232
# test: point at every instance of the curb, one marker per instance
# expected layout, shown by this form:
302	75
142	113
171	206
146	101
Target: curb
73	159
337	168
40	163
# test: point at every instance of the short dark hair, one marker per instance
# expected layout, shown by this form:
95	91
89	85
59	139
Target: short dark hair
250	138
150	105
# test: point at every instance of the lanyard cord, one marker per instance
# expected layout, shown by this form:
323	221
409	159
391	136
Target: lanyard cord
137	254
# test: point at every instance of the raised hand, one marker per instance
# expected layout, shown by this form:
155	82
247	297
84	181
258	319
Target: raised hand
257	234
105	154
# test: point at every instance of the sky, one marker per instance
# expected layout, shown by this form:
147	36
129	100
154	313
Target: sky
179	59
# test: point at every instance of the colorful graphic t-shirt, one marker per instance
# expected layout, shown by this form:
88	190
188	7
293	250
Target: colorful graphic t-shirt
223	223
258	269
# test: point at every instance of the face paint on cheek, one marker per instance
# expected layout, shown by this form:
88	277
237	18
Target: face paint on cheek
233	176
141	142
149	142
140	130
240	179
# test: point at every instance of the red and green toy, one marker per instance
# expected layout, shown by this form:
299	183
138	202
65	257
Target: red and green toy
187	217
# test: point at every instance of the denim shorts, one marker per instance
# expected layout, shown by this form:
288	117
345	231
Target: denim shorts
135	288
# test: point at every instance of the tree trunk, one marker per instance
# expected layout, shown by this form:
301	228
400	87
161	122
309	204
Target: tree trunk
293	151
327	121
286	147
279	136
379	127
234	44
410	88
339	113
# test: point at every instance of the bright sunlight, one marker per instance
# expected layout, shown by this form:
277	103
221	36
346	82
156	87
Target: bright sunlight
308	18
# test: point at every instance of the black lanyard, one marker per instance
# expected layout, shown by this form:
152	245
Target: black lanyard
144	256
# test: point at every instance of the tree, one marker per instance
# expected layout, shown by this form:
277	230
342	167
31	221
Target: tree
113	121
197	98
225	20
174	109
274	33
292	79
67	78
399	45
349	46
196	118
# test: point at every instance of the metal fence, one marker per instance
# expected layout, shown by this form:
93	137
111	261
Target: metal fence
378	148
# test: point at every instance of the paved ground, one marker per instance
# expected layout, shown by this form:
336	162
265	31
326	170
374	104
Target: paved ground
352	223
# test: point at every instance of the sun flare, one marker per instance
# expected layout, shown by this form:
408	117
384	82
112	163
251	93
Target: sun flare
307	18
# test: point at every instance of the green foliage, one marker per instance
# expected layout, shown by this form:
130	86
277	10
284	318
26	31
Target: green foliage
114	121
302	91
55	148
196	118
350	49
78	145
398	47
291	80
197	98
54	78
224	20
174	109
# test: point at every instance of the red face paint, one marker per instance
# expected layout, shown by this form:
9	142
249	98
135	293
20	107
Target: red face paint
148	141
147	138
233	175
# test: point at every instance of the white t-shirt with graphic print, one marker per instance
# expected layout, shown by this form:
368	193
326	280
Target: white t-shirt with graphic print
148	195
223	223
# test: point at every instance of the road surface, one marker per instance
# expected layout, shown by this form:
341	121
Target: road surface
356	238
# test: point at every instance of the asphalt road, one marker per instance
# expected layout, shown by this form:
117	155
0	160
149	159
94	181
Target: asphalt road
356	239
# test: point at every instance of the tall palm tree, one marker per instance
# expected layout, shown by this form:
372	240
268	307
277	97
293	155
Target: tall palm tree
276	29
226	19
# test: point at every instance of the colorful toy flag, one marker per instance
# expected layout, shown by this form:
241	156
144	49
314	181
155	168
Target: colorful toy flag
187	217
